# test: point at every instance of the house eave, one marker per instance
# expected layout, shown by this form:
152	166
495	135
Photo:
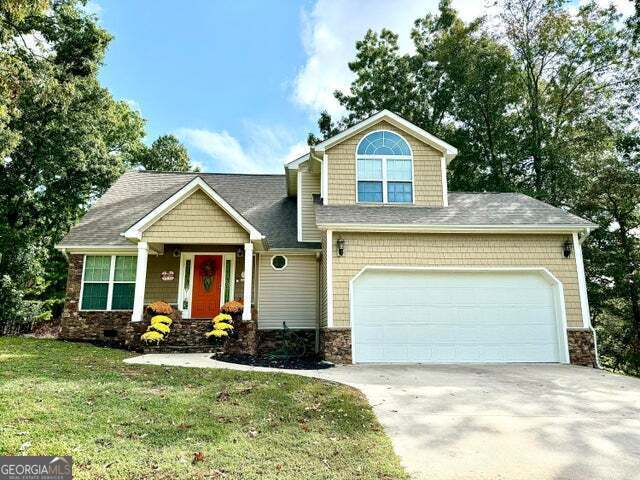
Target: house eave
407	228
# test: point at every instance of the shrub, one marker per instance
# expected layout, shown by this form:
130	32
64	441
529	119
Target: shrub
160	308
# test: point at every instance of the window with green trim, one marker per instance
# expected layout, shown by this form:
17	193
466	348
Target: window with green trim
108	282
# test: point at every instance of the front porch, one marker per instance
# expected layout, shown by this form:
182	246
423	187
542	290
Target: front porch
196	279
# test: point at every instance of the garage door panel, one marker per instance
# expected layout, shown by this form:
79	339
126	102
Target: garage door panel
428	316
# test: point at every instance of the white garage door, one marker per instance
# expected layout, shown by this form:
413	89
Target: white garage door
431	316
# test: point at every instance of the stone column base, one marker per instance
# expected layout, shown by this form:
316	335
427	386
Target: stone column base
335	344
582	349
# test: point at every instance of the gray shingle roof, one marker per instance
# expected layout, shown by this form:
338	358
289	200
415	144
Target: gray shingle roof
465	209
261	199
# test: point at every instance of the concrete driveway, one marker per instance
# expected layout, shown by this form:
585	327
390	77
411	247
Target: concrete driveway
509	422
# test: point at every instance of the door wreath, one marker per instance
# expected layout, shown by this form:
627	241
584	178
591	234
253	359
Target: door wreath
207	272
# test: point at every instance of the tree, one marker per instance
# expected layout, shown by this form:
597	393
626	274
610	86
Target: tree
577	72
541	105
166	154
63	141
610	195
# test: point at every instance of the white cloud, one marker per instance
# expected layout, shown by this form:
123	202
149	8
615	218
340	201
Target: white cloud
132	103
265	150
93	8
331	29
626	7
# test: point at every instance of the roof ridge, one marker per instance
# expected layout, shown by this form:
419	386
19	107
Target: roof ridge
208	173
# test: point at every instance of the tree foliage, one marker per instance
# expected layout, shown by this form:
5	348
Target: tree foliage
63	140
166	154
540	103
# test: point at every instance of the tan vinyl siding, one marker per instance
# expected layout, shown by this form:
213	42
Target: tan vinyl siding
288	295
427	182
458	250
323	282
309	185
197	219
155	288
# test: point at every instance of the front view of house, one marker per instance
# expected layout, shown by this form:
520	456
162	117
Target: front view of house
359	241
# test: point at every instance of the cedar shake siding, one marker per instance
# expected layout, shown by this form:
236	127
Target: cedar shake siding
459	250
197	219
309	185
427	181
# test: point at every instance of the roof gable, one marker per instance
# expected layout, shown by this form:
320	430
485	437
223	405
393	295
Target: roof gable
447	150
136	230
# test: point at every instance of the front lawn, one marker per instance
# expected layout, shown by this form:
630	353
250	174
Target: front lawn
141	422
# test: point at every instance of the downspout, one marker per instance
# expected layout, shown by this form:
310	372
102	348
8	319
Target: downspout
581	239
318	294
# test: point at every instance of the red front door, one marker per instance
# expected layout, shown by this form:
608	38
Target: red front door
207	280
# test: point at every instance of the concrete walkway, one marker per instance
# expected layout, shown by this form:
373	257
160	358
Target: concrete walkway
511	422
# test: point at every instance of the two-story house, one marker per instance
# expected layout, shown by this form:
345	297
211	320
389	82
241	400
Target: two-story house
359	244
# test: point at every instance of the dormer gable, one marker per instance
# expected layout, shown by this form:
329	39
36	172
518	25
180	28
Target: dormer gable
382	160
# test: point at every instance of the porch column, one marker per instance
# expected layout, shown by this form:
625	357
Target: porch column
248	280
141	279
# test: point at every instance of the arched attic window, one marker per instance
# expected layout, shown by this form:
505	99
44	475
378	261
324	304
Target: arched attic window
384	169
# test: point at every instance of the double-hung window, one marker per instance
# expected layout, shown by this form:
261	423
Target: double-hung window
108	282
384	169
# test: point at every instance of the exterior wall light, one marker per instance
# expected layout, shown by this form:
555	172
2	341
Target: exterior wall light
340	245
566	248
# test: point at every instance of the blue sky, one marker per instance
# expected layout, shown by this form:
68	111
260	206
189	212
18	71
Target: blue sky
242	82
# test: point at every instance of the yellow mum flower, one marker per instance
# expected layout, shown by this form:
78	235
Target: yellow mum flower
222	317
159	327
216	333
152	336
222	326
161	319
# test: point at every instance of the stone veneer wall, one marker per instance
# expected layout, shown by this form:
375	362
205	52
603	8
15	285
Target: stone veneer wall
582	349
271	340
336	346
110	328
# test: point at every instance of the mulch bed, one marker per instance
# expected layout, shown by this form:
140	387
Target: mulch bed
302	363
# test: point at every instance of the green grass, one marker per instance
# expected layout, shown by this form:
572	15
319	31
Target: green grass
122	421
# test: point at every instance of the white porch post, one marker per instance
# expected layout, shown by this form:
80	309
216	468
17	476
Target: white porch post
248	280
141	278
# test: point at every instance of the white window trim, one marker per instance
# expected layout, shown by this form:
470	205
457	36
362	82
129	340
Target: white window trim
385	182
184	256
110	283
286	262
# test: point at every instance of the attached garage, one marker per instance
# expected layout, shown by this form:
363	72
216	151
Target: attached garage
423	315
